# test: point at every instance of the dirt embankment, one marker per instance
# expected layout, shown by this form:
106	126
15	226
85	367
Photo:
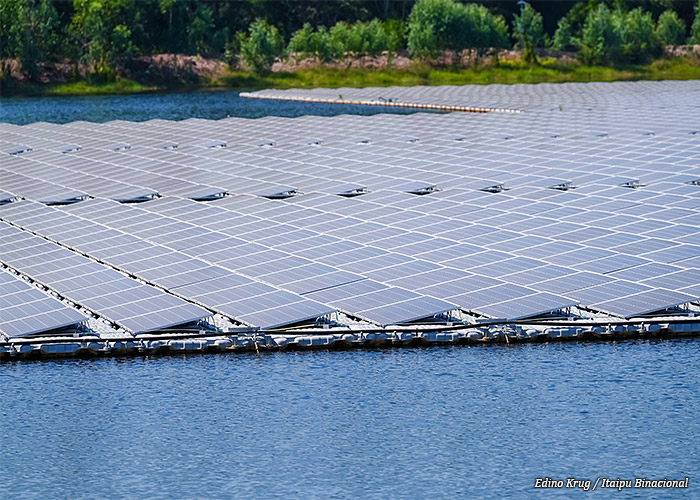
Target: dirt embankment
180	69
160	68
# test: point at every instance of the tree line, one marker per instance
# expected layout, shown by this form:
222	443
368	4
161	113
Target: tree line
104	35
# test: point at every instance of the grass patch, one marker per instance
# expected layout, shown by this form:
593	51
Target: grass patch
548	71
120	86
83	87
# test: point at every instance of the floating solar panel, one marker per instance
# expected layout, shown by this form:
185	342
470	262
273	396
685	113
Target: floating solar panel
646	302
157	264
35	189
528	306
132	305
26	310
587	196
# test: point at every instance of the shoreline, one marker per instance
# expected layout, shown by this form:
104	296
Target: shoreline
506	72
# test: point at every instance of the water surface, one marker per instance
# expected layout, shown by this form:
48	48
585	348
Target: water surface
167	106
458	422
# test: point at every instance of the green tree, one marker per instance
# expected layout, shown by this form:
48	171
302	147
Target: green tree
340	40
695	28
431	27
45	26
260	46
232	52
670	29
395	30
10	27
29	32
600	42
322	44
490	32
358	39
122	49
370	38
635	30
200	30
423	41
307	43
438	25
564	36
173	26
102	31
301	42
529	32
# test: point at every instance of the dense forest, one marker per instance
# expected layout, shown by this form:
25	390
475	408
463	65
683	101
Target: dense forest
103	36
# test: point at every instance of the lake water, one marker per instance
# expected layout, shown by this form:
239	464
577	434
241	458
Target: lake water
167	106
458	422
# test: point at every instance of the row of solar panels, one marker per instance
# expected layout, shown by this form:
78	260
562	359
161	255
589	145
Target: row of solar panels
93	239
518	97
628	126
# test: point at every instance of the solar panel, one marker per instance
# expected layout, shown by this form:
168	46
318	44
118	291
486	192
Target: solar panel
407	311
119	307
645	302
524	307
26	310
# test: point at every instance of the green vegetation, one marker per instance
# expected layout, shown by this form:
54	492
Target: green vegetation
638	42
695	28
670	30
548	70
120	86
260	46
438	25
599	41
105	44
563	38
506	72
307	43
343	40
529	31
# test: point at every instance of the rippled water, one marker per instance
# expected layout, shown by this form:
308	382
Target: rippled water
460	422
167	106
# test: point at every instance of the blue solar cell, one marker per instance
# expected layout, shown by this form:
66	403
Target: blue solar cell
524	307
645	302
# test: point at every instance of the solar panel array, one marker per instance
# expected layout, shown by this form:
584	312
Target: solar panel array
517	98
589	198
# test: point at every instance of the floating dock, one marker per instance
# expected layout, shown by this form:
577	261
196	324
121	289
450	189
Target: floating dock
379	101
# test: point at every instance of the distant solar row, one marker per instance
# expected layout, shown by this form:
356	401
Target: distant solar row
545	96
388	218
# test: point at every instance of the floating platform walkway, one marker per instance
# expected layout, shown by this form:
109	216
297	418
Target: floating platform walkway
343	339
379	101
